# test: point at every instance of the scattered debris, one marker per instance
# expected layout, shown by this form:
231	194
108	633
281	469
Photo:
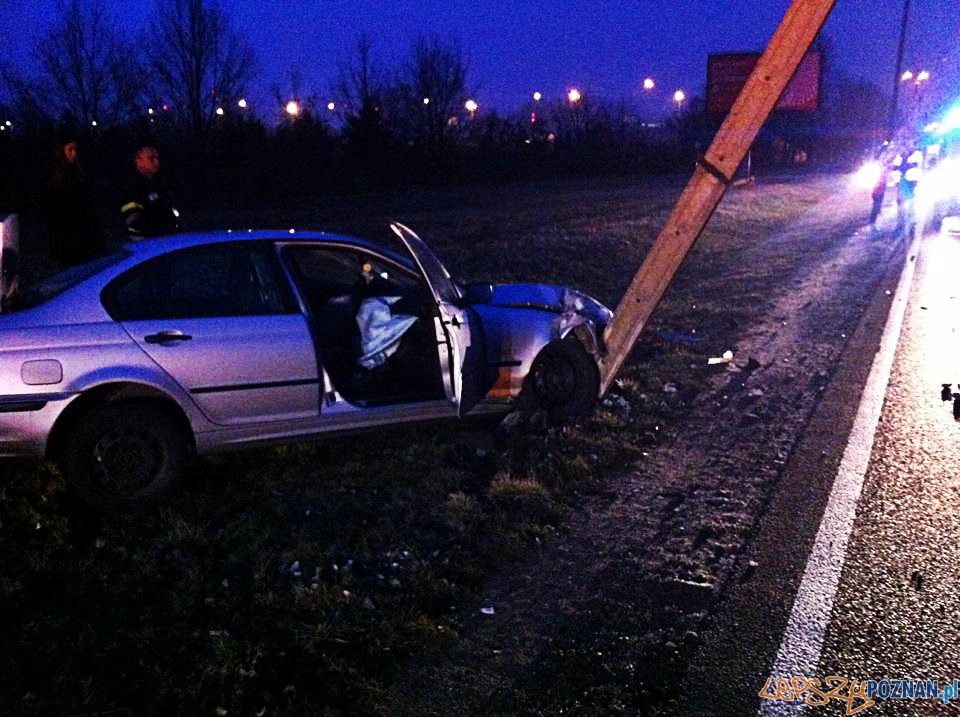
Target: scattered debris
488	610
726	358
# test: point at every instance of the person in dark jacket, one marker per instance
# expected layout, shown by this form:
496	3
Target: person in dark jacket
74	231
877	194
147	208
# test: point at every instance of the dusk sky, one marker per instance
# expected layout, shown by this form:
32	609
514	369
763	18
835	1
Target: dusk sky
515	47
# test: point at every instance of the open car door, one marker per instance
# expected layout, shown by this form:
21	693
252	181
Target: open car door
460	324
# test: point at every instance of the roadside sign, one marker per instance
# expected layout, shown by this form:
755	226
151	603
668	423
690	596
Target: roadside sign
727	73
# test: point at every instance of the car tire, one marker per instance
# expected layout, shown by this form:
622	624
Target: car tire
564	380
125	456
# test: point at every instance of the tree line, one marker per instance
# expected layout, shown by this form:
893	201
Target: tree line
97	84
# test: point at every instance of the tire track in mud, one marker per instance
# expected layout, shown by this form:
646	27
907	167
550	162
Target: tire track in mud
604	619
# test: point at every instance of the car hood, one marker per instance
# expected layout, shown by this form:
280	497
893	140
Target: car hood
547	297
533	296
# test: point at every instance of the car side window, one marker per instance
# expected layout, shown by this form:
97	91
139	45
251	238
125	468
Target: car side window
326	273
222	280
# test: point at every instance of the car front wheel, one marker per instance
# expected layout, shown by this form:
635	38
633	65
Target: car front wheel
125	456
564	379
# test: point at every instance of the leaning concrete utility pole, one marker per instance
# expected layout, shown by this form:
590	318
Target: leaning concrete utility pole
711	178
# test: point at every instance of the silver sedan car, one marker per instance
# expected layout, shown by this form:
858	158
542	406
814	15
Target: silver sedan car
124	368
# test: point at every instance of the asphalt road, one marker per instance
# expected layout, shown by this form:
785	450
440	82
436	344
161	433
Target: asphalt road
883	535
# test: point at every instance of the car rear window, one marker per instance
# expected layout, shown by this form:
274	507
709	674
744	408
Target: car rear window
55	285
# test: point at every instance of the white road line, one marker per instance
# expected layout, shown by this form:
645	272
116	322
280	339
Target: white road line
802	642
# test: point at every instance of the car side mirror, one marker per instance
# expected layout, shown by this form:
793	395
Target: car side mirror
479	293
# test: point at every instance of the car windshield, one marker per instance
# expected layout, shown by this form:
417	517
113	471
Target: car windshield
55	285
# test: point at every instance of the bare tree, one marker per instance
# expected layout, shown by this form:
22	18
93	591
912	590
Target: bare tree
432	89
21	99
87	72
365	132
199	61
361	81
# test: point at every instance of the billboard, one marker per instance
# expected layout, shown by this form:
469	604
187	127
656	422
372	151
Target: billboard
727	73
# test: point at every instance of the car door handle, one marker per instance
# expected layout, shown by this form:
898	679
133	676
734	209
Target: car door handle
163	337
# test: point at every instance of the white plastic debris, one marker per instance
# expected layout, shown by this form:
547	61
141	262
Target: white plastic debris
726	358
488	610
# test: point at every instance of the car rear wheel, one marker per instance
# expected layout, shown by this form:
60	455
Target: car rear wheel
125	456
564	379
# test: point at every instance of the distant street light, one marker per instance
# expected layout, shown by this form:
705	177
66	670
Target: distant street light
471	106
331	106
649	84
537	96
918	78
242	103
574	96
426	100
219	111
292	108
679	97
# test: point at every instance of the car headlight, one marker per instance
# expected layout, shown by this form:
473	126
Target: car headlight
575	302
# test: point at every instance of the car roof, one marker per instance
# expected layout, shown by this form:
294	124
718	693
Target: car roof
154	246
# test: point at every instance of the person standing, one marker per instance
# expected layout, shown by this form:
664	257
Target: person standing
910	165
878	193
74	231
147	208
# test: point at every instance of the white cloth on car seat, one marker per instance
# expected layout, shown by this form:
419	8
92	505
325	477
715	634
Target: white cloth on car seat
380	330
